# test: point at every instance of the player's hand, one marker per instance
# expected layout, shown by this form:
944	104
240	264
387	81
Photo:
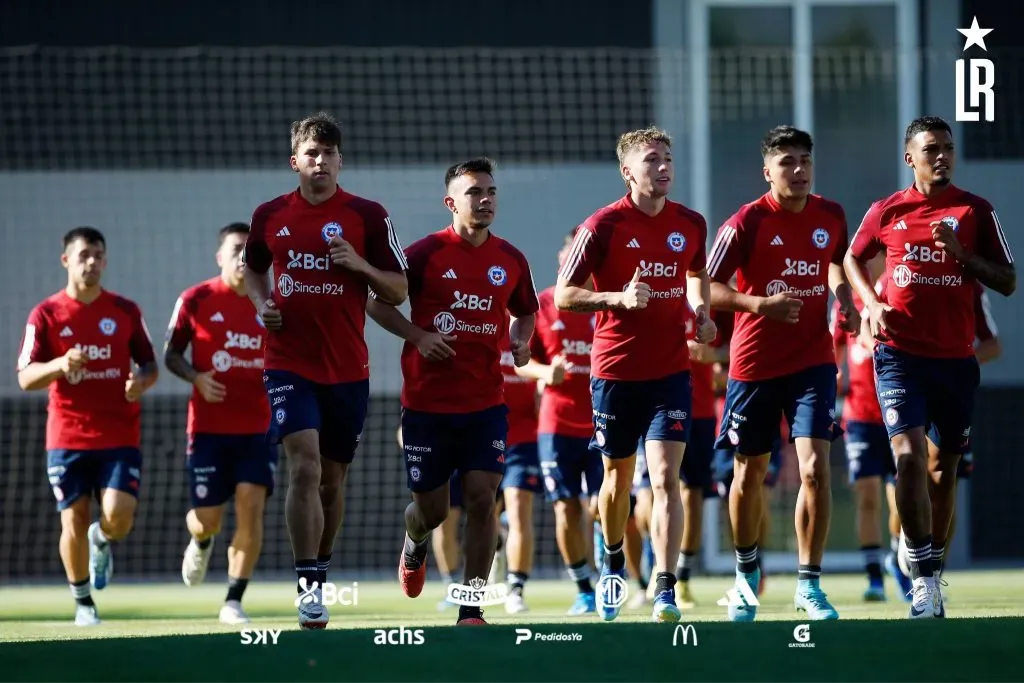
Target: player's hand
556	371
73	360
783	307
707	330
879	327
521	353
209	388
636	294
946	240
700	353
344	254
270	315
133	388
434	346
849	319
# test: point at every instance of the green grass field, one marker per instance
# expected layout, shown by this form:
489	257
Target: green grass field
170	632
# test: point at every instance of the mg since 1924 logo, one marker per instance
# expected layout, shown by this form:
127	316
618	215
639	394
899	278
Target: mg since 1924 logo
982	78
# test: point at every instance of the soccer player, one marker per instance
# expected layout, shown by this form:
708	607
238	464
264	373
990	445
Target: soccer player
81	344
228	452
463	281
646	255
867	446
328	248
522	478
938	241
787	248
560	360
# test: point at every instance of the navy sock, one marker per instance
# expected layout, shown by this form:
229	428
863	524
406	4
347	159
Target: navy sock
236	589
808	572
80	591
323	563
614	556
920	552
306	569
746	558
873	562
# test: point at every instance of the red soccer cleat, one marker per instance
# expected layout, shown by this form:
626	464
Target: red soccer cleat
471	621
412	580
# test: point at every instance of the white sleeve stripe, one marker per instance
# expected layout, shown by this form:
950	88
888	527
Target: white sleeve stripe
720	248
986	310
396	246
1002	238
25	357
579	246
174	317
145	330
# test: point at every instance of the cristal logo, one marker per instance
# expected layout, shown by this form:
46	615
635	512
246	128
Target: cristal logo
472	302
922	253
93	352
237	340
655	269
307	261
578	348
795	267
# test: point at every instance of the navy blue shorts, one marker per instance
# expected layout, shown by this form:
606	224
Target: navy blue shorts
77	473
934	393
439	444
867	451
336	411
522	468
217	463
626	412
566	462
724	465
695	471
750	422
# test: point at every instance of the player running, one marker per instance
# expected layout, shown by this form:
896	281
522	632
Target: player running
464	280
328	248
560	360
646	255
80	344
787	247
938	241
228	452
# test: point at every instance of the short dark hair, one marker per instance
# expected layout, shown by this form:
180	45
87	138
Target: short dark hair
91	236
232	229
320	127
477	165
925	124
781	137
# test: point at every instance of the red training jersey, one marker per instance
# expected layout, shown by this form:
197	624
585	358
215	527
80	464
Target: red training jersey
565	409
931	294
861	404
773	250
226	336
610	245
464	291
701	379
521	399
323	305
87	408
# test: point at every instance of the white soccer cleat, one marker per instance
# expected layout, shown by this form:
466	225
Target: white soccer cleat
86	615
925	601
515	604
232	614
903	555
312	614
195	562
101	560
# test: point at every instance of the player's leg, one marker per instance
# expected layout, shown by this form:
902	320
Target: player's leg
695	481
521	481
867	463
641	504
903	399
211	483
72	478
892	564
810	400
120	474
445	539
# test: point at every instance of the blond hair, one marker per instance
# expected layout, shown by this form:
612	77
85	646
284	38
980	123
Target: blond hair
635	139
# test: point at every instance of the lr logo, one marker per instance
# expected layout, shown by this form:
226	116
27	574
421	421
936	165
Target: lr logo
979	68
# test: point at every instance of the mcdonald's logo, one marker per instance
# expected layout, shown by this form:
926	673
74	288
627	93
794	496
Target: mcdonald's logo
687	631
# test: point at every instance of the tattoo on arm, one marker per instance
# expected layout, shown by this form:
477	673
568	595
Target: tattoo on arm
1001	278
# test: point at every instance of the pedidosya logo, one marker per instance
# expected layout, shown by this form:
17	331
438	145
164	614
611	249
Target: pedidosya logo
477	593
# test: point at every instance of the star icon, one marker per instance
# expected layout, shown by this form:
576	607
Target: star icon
975	35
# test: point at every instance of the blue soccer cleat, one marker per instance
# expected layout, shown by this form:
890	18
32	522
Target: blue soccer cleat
811	599
875	592
586	603
742	599
902	580
665	610
101	561
611	593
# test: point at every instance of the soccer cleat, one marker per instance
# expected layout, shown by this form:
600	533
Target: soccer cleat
811	599
940	595
903	556
924	603
232	613
739	608
515	604
875	592
762	584
586	603
902	580
471	621
312	614
639	599
195	562
412	580
685	599
605	587
665	610
101	560
86	615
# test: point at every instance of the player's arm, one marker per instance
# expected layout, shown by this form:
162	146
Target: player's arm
550	371
147	372
37	367
866	244
574	290
991	263
180	333
258	259
523	304
987	347
384	267
847	316
432	345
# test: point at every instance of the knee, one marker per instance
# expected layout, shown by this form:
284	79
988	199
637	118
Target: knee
117	524
332	479
249	509
568	513
943	469
814	471
304	471
479	504
749	472
619	476
74	522
909	466
209	519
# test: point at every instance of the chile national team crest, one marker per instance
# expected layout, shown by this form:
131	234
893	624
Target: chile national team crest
497	275
951	222
676	242
330	231
820	238
108	326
